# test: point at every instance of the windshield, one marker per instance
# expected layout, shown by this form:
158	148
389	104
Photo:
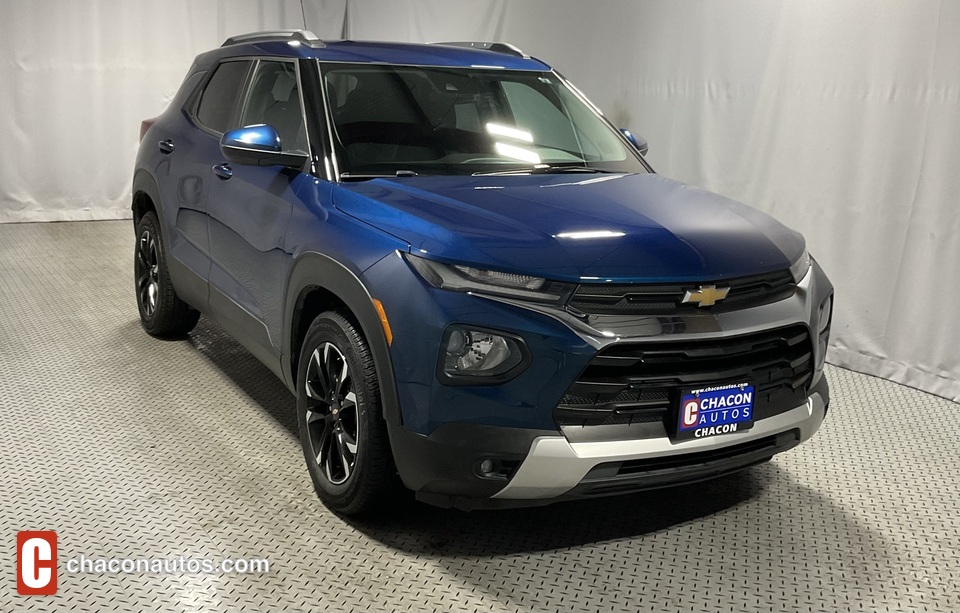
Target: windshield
462	121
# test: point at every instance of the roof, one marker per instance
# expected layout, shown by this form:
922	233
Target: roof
302	44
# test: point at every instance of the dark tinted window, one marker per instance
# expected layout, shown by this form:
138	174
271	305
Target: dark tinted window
274	99
219	97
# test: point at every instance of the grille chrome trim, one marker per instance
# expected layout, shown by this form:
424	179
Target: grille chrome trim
667	299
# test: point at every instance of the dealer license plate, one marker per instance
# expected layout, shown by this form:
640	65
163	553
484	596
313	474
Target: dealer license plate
711	411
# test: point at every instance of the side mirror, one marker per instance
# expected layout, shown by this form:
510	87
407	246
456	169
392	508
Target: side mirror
258	145
638	142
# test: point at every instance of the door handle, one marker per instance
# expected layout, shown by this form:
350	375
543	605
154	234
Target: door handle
166	146
223	171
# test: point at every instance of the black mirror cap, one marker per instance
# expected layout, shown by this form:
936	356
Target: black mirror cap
639	143
258	145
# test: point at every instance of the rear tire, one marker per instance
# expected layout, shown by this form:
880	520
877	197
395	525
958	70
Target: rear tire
340	417
162	313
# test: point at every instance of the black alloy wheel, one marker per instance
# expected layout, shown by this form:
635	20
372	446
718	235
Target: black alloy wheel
162	312
340	417
332	418
148	272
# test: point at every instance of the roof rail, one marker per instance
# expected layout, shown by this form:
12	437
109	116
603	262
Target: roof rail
301	36
506	48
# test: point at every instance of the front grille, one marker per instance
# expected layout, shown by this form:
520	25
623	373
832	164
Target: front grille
633	390
665	299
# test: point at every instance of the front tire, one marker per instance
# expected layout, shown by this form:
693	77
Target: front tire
162	313
340	418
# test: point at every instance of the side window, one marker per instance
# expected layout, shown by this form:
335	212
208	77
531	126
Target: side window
274	99
219	98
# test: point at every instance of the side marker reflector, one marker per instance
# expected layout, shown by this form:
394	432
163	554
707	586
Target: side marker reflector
383	320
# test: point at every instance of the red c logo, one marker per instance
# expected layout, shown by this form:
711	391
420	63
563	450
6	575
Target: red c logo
37	563
691	413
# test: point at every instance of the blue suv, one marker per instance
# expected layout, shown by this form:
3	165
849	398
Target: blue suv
473	283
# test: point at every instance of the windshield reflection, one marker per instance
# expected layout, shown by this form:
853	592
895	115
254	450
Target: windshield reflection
463	121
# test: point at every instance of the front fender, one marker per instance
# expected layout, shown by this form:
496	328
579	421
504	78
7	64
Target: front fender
316	270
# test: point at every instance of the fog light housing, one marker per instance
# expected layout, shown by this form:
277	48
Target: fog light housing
489	468
501	469
472	355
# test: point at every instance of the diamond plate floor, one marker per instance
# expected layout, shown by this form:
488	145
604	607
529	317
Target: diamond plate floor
132	447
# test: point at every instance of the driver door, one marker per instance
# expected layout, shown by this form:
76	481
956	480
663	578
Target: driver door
249	211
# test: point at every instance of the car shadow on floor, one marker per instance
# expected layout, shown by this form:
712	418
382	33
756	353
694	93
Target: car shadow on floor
420	529
760	527
246	372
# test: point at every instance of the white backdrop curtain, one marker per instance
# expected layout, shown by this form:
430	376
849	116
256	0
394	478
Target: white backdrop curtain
840	118
78	76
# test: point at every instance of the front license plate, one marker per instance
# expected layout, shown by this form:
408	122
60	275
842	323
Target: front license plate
715	410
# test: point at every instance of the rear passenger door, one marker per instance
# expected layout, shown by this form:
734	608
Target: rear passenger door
249	209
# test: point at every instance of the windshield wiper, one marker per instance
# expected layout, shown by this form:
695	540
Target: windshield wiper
346	176
541	169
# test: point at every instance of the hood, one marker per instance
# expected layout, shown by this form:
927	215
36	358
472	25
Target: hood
644	227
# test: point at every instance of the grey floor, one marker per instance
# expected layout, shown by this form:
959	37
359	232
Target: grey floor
132	447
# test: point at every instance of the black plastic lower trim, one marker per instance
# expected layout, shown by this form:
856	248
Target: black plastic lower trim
442	468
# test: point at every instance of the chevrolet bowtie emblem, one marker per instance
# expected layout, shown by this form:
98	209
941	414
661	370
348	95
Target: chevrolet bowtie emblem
707	295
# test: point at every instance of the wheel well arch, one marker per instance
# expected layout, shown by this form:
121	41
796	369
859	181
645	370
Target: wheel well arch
146	197
319	283
312	301
142	204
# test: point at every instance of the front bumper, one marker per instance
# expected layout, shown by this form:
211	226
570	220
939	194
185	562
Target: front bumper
541	467
556	468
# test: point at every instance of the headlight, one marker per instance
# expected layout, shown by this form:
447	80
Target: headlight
800	268
469	279
477	356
